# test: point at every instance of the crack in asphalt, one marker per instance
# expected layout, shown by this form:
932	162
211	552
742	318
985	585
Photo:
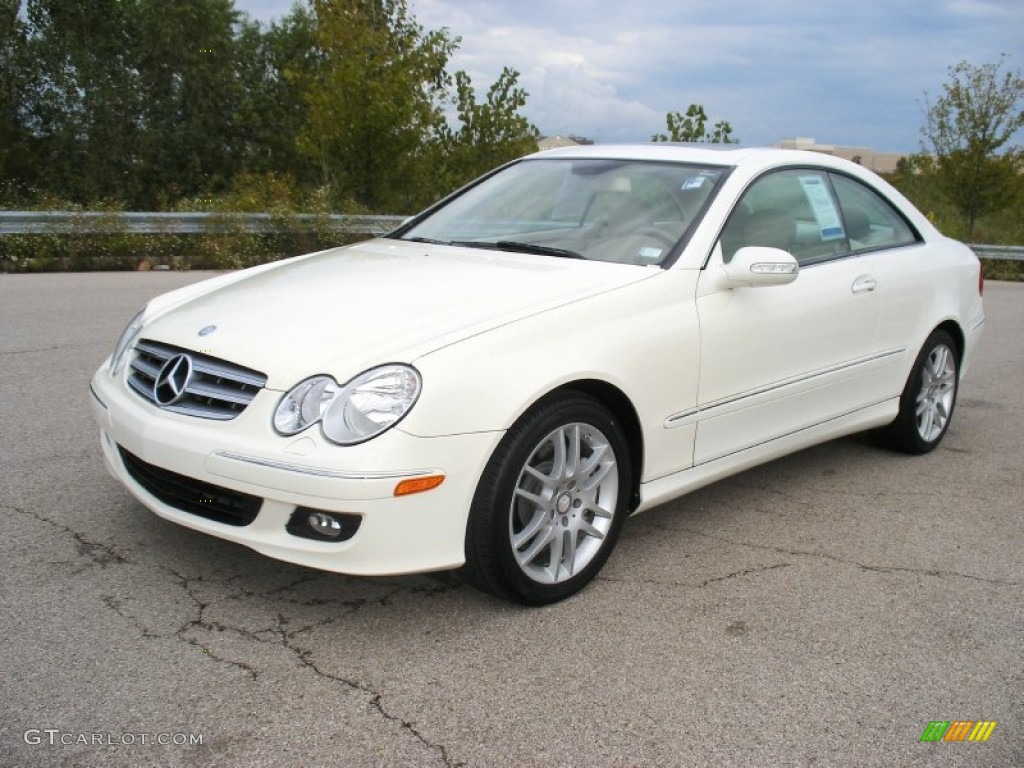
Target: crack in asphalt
200	622
744	572
31	351
285	639
701	585
115	604
863	566
99	553
304	655
105	555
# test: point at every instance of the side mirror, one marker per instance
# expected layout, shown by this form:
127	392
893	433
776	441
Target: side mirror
756	265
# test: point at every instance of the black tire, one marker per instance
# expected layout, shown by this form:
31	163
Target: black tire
935	395
505	506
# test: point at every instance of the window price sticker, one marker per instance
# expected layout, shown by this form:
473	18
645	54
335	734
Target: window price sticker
824	208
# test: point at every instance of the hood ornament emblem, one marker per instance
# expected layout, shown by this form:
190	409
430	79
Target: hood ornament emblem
172	381
207	330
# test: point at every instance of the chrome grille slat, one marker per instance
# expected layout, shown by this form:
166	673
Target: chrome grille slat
142	389
220	392
233	373
217	389
143	365
203	413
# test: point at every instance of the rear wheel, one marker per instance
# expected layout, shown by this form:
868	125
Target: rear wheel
551	502
928	400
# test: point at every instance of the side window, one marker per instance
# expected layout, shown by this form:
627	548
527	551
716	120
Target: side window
871	221
794	210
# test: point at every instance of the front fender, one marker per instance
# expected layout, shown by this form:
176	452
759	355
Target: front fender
643	338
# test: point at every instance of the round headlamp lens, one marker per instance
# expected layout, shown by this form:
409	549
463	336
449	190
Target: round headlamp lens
371	403
304	404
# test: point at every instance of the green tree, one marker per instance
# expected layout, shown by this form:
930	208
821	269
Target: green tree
132	100
968	129
275	66
147	104
81	97
189	90
490	133
15	164
374	101
693	127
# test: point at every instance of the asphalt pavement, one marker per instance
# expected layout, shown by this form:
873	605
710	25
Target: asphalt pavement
822	609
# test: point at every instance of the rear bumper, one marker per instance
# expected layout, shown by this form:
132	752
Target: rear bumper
974	333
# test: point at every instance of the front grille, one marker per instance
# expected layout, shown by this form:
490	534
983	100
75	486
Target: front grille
189	495
216	389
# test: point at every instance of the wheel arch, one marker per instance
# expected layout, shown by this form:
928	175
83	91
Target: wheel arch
952	327
622	409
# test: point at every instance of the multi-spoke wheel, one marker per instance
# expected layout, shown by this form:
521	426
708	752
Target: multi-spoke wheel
928	399
551	502
934	401
564	503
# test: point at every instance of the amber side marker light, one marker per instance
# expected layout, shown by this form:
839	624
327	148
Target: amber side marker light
418	484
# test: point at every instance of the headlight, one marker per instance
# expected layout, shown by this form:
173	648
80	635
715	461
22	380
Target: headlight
366	406
124	343
304	405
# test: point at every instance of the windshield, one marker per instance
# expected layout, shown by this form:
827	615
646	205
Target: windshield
626	211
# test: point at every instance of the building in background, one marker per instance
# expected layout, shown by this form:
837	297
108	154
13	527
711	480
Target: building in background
879	162
558	140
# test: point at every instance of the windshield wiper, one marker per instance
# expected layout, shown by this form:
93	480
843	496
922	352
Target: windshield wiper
542	250
520	247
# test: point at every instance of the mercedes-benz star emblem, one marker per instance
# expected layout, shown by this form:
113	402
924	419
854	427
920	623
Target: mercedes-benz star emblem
172	380
206	330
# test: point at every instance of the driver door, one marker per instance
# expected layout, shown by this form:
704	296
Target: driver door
779	359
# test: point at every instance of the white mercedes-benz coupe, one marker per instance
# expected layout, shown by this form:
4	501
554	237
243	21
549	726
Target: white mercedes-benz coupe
578	336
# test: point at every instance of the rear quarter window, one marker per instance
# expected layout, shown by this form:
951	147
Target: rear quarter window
871	221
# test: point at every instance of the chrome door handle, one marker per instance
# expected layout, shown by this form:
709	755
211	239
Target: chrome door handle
863	284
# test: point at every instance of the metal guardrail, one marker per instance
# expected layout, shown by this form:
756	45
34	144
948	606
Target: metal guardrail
1004	252
99	222
196	223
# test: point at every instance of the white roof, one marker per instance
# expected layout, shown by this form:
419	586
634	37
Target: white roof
705	154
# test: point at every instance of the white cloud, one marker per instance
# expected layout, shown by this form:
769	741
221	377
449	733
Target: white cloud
851	73
569	100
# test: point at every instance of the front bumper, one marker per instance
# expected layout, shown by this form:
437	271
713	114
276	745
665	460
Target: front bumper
420	532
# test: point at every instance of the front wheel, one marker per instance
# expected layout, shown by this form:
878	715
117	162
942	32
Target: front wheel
928	400
551	502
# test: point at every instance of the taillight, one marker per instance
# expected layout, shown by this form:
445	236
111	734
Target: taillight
981	279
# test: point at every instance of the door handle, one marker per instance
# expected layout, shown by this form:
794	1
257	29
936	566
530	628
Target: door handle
864	284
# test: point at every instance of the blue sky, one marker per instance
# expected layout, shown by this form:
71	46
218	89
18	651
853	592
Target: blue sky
847	72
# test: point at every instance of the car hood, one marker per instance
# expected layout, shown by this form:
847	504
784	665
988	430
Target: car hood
348	309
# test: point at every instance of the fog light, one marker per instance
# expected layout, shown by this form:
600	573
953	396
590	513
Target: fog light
320	525
324	524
